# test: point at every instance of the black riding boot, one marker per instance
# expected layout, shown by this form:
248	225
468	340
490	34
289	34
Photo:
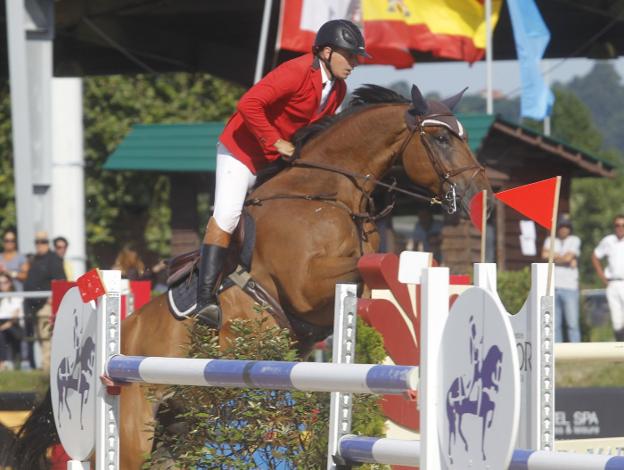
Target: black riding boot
210	267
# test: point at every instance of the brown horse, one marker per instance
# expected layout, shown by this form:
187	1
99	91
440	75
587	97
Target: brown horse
313	222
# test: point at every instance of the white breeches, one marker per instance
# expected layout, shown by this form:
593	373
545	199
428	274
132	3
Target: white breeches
233	180
615	298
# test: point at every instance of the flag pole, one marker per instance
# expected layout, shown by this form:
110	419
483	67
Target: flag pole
488	58
483	224
264	32
553	232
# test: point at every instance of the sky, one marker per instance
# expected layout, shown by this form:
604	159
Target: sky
448	78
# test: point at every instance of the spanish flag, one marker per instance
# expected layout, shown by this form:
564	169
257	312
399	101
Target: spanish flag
393	29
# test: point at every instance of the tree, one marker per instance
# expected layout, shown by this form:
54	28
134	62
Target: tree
134	206
602	91
7	193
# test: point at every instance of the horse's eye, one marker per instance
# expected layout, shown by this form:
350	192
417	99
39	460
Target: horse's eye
442	138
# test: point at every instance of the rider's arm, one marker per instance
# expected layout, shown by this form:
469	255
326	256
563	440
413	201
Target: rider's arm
279	85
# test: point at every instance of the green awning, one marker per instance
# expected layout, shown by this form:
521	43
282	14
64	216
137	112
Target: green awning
168	147
477	126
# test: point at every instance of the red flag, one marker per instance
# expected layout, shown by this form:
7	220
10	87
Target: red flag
476	210
91	285
535	201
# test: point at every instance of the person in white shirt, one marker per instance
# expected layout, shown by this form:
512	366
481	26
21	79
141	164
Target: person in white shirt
567	251
612	246
11	331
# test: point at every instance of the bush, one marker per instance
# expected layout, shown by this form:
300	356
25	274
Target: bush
513	288
249	428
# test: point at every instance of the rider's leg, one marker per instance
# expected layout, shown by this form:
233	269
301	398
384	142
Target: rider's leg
233	179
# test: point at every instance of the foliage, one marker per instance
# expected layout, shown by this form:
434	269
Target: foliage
602	91
248	428
594	204
513	288
7	193
134	206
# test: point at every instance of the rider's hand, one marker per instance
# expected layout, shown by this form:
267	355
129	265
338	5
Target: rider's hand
284	147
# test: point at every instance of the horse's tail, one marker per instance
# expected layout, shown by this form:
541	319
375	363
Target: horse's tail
35	437
7	441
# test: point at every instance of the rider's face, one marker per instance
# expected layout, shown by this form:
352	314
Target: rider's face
342	62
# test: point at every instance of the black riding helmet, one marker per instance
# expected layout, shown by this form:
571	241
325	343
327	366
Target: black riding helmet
342	34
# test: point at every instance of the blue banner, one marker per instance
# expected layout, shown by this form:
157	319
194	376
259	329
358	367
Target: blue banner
531	36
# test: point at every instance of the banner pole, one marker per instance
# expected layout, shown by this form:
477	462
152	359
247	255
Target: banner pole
553	232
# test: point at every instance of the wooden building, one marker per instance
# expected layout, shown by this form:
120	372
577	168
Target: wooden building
514	155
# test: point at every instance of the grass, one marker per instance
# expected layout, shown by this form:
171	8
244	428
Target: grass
24	381
589	374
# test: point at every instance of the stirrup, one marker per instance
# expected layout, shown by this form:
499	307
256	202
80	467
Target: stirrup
209	315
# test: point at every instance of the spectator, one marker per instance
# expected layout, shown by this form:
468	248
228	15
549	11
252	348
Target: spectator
130	264
567	250
45	266
612	246
11	261
427	234
11	332
60	248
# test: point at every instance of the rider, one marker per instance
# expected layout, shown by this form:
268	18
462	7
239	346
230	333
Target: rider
295	94
476	359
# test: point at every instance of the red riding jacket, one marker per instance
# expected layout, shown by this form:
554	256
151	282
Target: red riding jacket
283	102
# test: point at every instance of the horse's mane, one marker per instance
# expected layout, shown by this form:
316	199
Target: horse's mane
361	98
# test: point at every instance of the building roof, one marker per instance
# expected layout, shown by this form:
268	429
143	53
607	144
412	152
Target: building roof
191	147
168	148
544	151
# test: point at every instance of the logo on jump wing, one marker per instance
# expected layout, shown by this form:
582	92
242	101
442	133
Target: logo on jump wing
476	396
76	373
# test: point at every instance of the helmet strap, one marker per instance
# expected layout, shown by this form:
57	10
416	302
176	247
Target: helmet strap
327	63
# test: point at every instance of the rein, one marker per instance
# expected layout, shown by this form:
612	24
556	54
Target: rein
415	125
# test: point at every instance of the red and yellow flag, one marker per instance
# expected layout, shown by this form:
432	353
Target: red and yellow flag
450	29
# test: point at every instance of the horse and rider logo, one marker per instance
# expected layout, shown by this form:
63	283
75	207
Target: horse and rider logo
76	372
479	394
73	374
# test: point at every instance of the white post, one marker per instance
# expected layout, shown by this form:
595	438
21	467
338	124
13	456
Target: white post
434	311
531	332
343	352
264	32
68	196
107	344
485	277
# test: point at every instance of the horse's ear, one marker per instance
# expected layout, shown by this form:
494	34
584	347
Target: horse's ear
453	100
419	104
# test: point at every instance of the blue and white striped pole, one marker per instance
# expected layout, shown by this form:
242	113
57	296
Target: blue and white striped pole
401	452
272	375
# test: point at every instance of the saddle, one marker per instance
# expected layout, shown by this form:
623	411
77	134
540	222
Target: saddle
182	285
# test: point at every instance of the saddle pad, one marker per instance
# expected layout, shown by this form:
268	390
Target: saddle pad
182	297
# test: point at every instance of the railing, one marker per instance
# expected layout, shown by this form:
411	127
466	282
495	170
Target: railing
28	295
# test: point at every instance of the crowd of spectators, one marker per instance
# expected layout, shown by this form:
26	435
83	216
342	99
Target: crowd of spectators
25	321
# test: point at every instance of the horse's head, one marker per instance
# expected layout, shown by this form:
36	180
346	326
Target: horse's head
436	153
